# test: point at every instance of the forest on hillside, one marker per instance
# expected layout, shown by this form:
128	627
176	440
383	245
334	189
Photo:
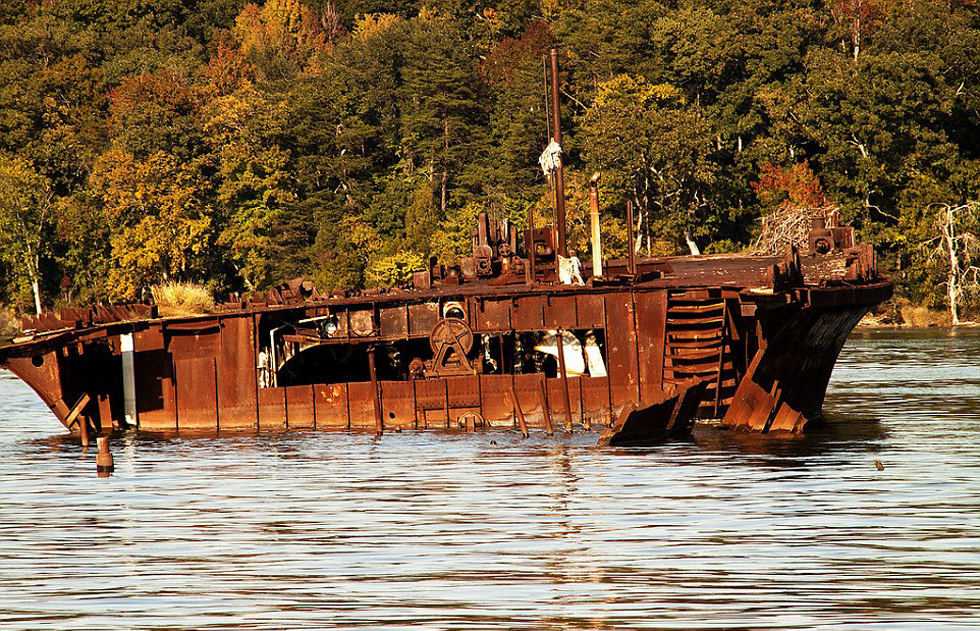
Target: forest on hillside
241	144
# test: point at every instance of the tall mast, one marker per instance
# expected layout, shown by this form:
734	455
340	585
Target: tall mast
556	136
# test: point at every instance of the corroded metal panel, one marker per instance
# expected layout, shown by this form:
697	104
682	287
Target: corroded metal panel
595	400
651	317
556	399
196	400
361	404
493	315
272	408
237	375
394	320
559	312
528	313
591	311
430	395
155	393
526	387
464	392
422	318
497	406
330	405
398	404
190	340
621	349
299	407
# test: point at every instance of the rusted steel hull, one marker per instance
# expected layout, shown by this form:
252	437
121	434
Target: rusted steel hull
765	358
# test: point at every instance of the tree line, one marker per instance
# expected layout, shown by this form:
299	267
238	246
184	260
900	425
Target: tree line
241	144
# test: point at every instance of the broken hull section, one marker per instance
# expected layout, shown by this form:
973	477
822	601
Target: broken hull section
384	363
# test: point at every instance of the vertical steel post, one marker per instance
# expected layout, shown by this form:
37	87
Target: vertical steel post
522	423
529	249
564	380
596	236
379	425
631	242
544	408
559	175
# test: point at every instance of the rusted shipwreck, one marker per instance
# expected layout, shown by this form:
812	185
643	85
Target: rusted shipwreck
517	335
498	341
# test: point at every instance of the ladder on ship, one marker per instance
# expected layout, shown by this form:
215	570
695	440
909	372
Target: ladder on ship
696	346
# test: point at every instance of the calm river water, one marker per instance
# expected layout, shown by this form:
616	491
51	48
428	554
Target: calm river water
437	531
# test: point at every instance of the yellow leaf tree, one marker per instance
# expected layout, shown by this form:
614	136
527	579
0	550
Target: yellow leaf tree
162	219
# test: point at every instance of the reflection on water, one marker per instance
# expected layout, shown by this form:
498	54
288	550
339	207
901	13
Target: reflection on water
452	531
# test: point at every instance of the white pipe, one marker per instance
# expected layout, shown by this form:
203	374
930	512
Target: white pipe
126	348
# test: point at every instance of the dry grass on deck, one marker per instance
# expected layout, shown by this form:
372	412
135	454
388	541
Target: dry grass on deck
182	299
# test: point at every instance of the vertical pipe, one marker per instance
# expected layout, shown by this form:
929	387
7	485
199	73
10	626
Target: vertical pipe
596	236
83	431
126	348
559	175
564	380
544	408
529	246
631	243
521	421
379	426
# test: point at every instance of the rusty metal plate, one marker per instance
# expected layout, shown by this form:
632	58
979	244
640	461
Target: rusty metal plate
237	374
272	408
422	318
150	339
155	394
497	407
196	403
330	405
556	399
361	397
398	404
528	313
526	387
651	318
621	352
191	340
430	396
595	400
394	321
493	315
299	407
559	311
590	310
464	392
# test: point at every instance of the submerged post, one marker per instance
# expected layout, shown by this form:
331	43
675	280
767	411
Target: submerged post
521	421
103	460
379	426
596	236
559	175
630	239
544	409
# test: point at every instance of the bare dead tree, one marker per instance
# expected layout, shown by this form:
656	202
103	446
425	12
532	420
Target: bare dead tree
958	247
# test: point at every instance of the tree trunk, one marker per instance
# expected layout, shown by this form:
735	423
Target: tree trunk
954	265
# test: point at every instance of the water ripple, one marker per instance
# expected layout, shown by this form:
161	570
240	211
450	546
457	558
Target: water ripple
456	531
